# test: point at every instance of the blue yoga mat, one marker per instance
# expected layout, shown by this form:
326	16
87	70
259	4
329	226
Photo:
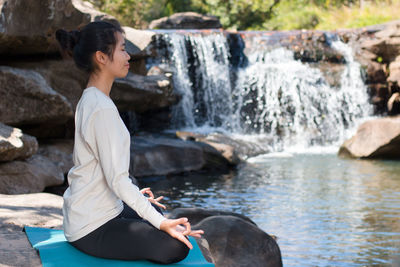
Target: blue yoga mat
54	250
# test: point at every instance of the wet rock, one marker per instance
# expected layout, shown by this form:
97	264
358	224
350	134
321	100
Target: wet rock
15	145
196	215
28	99
234	150
186	20
29	176
379	138
28	26
229	241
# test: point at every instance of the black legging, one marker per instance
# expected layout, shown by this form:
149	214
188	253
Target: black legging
129	237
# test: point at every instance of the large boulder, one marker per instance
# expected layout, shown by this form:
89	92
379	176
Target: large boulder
61	75
196	215
186	20
28	26
229	241
28	99
29	176
162	156
15	145
141	93
379	138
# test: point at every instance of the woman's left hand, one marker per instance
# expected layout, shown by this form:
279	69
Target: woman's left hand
151	197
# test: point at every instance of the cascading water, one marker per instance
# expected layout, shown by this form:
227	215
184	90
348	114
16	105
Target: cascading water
267	95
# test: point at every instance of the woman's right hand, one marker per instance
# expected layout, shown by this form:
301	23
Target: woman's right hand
175	229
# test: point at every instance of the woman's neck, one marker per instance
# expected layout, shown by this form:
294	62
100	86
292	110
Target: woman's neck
101	82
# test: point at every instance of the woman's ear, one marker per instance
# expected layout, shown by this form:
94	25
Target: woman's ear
100	57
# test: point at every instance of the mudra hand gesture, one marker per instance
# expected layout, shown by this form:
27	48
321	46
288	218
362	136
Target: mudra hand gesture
174	227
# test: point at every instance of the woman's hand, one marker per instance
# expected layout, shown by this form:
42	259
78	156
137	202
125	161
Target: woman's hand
175	229
151	197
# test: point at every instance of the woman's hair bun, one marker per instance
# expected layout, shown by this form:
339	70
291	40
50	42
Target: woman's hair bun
68	40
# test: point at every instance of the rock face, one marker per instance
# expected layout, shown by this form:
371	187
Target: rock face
229	241
186	20
28	99
379	138
28	26
15	145
29	176
377	49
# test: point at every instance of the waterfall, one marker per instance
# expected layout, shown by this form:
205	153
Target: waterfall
267	93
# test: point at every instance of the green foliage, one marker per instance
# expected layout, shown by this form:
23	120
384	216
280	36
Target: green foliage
259	14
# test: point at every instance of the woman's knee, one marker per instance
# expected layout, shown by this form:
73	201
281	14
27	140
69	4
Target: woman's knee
175	252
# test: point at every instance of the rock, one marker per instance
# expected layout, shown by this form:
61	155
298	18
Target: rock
28	26
186	20
375	73
157	70
29	176
16	211
15	145
28	99
234	150
379	138
143	93
229	241
61	75
38	209
138	42
195	215
393	105
162	156
394	70
59	151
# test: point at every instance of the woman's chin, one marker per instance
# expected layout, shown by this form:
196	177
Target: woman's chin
123	74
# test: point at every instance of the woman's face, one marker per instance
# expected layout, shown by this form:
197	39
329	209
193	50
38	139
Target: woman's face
119	66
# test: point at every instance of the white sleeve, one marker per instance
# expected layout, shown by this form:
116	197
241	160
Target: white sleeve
112	140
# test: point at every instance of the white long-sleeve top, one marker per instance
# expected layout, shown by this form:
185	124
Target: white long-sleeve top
99	180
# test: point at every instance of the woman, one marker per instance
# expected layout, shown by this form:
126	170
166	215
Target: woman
105	214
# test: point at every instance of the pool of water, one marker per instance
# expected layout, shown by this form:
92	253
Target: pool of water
325	211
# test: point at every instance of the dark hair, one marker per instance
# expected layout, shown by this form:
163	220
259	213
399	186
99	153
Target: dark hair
81	45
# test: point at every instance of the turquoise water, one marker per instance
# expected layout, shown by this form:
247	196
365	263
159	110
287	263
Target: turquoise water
325	211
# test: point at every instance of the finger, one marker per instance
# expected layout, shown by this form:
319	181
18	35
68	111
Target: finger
179	221
143	190
188	228
196	233
183	239
160	205
159	198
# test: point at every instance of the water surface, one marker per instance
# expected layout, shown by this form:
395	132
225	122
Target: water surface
325	211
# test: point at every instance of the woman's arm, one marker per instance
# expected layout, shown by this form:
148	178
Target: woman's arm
112	142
